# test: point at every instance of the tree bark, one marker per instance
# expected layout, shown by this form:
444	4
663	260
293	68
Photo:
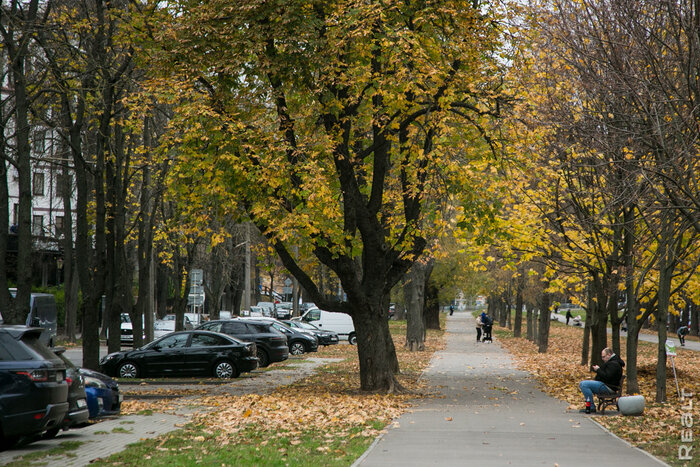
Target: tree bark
378	373
414	295
17	37
517	325
545	318
529	329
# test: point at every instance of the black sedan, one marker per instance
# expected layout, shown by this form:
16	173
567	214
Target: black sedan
184	353
324	337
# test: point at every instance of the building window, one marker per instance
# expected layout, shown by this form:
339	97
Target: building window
60	178
38	226
38	184
39	141
59	226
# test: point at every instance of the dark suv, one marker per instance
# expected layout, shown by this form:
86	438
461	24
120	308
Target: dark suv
271	344
298	340
33	387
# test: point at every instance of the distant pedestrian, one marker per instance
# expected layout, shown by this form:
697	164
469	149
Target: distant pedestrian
478	328
452	310
568	316
682	332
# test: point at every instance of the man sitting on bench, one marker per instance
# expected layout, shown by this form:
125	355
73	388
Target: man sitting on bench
606	380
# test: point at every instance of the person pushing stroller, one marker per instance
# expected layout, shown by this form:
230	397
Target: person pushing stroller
486	325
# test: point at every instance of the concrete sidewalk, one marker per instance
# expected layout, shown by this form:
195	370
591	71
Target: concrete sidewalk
490	414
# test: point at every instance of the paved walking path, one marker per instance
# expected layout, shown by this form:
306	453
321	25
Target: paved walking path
490	414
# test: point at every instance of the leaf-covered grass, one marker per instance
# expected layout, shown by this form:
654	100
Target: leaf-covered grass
659	429
321	420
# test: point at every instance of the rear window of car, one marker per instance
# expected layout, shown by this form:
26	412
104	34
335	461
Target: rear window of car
12	350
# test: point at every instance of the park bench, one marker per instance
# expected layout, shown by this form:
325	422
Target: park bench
605	400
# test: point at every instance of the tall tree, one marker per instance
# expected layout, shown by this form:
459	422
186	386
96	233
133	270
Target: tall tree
330	121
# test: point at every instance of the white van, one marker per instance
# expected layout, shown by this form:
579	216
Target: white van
339	323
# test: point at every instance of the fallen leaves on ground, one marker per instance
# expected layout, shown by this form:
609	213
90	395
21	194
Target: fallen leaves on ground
328	401
559	371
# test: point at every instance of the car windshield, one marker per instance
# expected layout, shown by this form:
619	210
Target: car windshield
304	325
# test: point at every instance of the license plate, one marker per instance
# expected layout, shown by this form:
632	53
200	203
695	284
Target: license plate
121	398
59	377
82	404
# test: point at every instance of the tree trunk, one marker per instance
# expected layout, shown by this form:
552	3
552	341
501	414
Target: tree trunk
414	295
535	325
694	309
17	35
517	325
431	310
543	332
373	342
632	381
529	329
599	328
144	303
633	326
664	293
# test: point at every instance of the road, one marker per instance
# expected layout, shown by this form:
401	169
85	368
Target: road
689	345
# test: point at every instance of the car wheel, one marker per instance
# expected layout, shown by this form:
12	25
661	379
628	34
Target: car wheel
263	358
224	369
51	434
297	348
128	370
352	339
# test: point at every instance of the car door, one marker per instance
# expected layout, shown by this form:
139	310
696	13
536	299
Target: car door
166	356
203	351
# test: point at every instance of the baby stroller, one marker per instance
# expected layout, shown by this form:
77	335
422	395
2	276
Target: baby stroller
487	333
487	324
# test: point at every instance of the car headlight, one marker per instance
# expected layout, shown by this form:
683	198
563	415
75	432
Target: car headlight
91	382
109	357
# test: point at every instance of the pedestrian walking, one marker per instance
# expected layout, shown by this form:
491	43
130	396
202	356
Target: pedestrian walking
682	332
479	324
452	310
568	316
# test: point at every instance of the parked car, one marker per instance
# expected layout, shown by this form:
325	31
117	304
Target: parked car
33	386
187	323
103	397
299	341
270	343
195	318
162	327
324	337
184	353
42	314
329	321
78	414
127	330
283	310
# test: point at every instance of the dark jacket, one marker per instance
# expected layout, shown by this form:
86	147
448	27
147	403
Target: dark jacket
610	372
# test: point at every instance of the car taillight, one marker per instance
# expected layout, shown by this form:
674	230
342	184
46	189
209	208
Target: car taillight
279	339
35	375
